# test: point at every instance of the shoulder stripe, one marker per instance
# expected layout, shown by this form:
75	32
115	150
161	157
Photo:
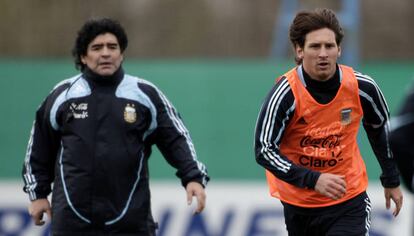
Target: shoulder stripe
384	115
78	88
268	125
67	81
374	106
276	96
179	125
369	80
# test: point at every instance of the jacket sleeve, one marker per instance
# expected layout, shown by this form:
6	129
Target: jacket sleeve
275	115
173	139
44	141
402	129
377	126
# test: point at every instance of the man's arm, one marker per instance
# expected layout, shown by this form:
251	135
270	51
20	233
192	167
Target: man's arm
376	124
174	141
275	115
39	163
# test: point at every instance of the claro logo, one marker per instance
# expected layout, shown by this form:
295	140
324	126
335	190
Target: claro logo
318	162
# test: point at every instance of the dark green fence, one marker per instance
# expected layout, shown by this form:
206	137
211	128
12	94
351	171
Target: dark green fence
218	100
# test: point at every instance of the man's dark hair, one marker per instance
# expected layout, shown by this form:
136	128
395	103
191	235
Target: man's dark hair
308	21
90	30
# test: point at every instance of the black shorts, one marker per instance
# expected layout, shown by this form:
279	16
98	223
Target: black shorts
350	218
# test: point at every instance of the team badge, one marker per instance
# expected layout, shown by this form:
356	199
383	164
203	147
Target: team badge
346	116
130	114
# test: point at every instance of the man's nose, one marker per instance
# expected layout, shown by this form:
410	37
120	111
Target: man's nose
323	52
105	51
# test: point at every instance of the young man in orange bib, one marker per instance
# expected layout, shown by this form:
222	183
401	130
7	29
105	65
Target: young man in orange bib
306	135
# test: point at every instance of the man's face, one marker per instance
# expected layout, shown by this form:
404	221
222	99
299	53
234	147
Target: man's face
320	54
103	55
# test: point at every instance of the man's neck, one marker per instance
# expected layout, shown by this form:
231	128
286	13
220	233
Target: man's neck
307	77
323	91
103	80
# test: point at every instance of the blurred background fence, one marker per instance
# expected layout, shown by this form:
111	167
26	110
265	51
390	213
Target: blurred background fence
201	28
215	60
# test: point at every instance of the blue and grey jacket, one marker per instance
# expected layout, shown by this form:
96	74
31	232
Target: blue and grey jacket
92	138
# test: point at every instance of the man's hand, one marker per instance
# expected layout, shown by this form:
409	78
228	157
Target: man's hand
330	185
197	190
37	208
396	196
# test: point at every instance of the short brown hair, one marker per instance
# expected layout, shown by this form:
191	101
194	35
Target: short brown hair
308	21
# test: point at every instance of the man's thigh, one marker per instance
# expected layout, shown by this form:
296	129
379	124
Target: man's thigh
355	220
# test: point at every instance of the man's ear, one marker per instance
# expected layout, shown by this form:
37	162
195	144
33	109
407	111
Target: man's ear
299	52
83	59
339	51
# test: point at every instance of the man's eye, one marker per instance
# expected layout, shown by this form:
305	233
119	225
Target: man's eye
95	48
